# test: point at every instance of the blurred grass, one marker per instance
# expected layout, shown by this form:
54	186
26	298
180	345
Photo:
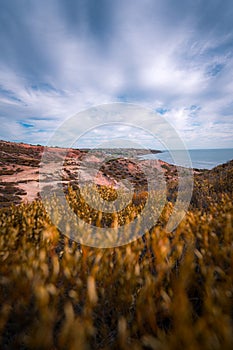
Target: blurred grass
162	291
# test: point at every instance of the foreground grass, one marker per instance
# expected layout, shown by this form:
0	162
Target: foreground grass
162	291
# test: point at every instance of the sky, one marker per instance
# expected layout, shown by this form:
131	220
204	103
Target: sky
174	57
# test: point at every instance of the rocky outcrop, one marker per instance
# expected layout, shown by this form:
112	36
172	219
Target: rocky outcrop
21	170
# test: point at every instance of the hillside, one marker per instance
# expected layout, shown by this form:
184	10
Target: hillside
163	291
20	165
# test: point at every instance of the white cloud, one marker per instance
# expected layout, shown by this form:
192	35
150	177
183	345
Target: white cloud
150	55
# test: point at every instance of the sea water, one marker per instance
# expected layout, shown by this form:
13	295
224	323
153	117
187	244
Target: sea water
200	158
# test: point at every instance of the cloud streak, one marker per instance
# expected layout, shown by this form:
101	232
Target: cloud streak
58	58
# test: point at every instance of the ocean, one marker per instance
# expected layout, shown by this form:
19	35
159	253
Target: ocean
200	158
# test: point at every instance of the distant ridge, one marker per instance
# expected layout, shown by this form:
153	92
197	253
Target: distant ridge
20	165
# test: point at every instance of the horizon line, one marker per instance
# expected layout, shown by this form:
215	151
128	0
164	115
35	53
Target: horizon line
89	147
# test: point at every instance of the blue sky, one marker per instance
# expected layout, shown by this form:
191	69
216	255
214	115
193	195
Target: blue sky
61	57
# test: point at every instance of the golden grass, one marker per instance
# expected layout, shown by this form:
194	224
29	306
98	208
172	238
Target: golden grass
162	291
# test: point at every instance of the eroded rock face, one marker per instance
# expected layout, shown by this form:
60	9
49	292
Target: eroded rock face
20	168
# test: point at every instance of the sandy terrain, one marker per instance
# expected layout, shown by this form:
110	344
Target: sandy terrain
23	176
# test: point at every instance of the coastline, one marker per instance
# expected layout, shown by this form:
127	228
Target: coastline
20	169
